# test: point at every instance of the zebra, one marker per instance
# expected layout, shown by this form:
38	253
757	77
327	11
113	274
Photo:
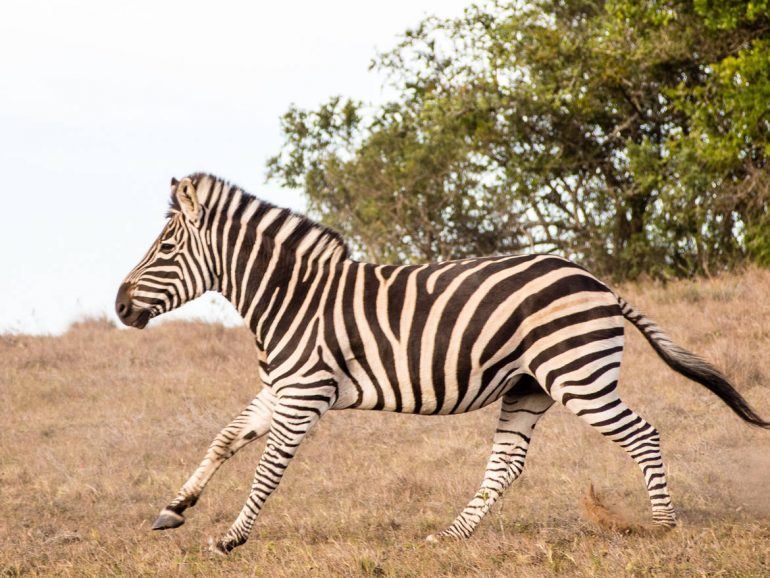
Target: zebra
434	339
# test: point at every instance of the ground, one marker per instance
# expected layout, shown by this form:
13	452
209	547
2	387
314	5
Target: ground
99	427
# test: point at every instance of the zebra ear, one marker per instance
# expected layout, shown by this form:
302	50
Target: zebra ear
188	200
174	182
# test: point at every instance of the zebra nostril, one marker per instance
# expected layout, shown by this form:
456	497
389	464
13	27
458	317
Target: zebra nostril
123	302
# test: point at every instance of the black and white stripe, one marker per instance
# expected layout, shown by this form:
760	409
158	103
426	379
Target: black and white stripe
443	338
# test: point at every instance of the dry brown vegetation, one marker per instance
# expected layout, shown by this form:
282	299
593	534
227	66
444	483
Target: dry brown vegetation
100	426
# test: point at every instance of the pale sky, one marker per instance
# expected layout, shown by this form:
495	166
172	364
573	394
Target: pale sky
102	102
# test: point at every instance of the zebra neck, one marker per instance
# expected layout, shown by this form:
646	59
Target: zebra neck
268	260
274	296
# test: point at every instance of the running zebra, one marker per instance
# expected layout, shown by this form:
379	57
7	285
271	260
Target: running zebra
440	338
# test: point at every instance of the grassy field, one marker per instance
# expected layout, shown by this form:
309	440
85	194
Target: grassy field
100	426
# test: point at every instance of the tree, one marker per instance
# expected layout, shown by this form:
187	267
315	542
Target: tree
632	136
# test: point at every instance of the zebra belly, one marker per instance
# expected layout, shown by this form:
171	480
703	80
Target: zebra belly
363	389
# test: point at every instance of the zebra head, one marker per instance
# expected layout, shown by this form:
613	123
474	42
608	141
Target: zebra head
175	269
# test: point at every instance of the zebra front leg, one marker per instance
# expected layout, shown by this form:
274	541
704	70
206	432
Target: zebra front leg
518	416
294	415
252	423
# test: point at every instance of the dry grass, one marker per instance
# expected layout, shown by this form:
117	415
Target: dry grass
100	426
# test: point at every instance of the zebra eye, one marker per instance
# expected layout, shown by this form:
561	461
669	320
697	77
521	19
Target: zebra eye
167	247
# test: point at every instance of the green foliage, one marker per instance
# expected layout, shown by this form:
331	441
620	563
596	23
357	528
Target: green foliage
630	135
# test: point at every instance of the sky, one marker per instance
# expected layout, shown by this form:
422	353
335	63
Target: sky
102	102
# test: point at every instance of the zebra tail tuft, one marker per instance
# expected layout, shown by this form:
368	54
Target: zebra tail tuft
692	366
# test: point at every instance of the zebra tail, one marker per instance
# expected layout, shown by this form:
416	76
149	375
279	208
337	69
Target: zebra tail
692	366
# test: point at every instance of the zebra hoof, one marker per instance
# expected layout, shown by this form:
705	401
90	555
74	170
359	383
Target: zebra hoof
664	521
440	537
661	529
168	520
444	536
220	548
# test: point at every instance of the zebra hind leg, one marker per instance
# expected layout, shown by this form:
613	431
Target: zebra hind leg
518	415
252	423
600	406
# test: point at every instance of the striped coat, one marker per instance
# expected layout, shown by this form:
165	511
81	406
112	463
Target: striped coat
441	338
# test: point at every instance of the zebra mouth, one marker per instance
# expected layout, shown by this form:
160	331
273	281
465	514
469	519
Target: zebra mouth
133	317
142	319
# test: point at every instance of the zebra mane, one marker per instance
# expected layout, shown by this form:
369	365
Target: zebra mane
304	224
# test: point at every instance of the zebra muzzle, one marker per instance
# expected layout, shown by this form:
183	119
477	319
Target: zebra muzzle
128	314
